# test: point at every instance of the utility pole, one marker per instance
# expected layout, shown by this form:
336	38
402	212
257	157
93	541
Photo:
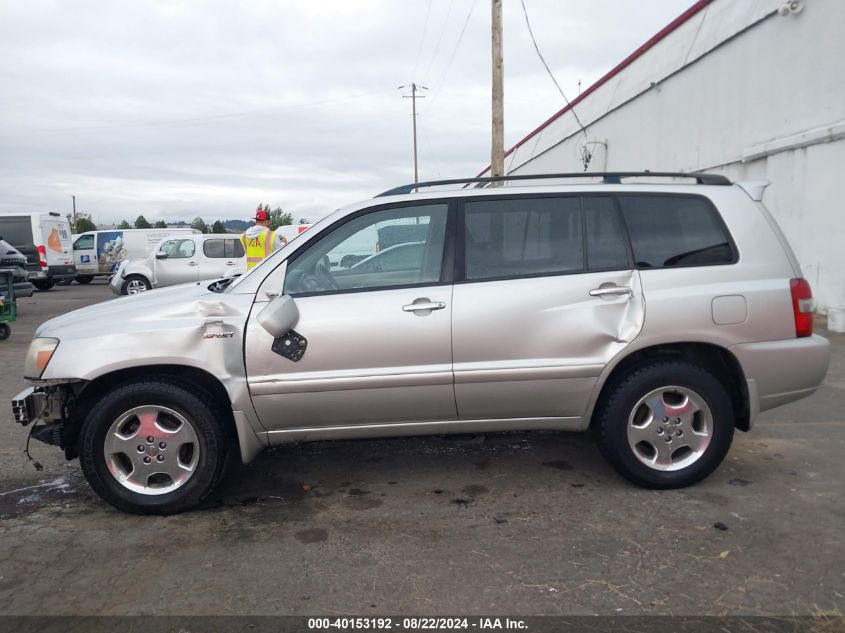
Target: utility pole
74	214
497	154
413	97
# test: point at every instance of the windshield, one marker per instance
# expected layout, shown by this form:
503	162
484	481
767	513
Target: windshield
274	259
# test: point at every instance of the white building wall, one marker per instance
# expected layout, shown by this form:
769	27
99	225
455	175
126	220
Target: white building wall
740	90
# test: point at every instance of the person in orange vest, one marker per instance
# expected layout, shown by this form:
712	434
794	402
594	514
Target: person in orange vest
259	241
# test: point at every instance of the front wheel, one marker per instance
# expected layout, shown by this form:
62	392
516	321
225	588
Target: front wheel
153	447
135	284
64	282
5	331
665	424
84	279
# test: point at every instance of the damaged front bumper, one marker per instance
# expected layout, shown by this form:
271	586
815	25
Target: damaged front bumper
43	404
37	404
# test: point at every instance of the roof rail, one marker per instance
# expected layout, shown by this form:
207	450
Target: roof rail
608	177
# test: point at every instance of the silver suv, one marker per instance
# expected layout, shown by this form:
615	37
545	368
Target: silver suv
663	314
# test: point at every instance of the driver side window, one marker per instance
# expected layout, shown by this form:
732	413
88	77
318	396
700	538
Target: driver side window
381	249
178	249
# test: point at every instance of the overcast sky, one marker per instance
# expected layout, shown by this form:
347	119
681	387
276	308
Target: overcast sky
177	109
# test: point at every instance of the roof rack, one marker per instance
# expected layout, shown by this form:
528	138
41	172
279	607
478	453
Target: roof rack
608	177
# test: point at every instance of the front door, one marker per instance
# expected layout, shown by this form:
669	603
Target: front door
378	328
545	296
181	264
85	254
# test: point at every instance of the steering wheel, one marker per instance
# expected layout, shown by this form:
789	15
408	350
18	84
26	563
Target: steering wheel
322	274
319	279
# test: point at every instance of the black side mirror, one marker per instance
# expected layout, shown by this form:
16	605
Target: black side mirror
161	255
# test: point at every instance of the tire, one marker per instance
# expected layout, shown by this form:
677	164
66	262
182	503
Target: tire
84	279
5	331
113	432
677	400
42	285
64	282
135	284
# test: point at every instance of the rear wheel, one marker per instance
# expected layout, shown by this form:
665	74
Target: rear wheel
64	282
665	424
5	331
153	448
43	285
135	284
85	279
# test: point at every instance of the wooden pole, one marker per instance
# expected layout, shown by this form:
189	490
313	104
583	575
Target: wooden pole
497	154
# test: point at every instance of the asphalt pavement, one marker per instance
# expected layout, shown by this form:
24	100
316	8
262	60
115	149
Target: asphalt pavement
526	523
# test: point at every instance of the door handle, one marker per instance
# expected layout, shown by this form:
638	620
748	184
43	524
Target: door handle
192	263
610	291
230	263
424	305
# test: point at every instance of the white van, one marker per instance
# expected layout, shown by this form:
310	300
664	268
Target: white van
289	232
44	238
99	253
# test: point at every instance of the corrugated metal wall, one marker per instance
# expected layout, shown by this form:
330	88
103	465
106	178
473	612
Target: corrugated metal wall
737	89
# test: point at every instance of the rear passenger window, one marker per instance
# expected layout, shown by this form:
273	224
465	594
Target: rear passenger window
229	248
523	237
669	231
214	248
607	248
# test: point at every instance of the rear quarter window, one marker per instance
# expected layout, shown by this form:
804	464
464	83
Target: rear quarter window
214	248
669	231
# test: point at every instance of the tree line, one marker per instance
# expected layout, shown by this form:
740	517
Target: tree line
278	217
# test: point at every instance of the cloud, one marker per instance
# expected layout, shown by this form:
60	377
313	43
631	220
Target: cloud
206	108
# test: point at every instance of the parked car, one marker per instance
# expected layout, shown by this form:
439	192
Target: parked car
181	259
663	315
99	253
394	234
12	258
44	239
394	259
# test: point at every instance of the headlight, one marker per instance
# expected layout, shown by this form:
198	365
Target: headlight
39	354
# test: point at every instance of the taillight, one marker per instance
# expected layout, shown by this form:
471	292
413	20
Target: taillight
802	306
42	256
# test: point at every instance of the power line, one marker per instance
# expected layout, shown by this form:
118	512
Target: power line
549	70
422	38
439	40
451	58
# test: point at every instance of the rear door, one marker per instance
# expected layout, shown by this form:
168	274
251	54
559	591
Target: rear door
54	233
18	231
181	264
220	255
545	296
